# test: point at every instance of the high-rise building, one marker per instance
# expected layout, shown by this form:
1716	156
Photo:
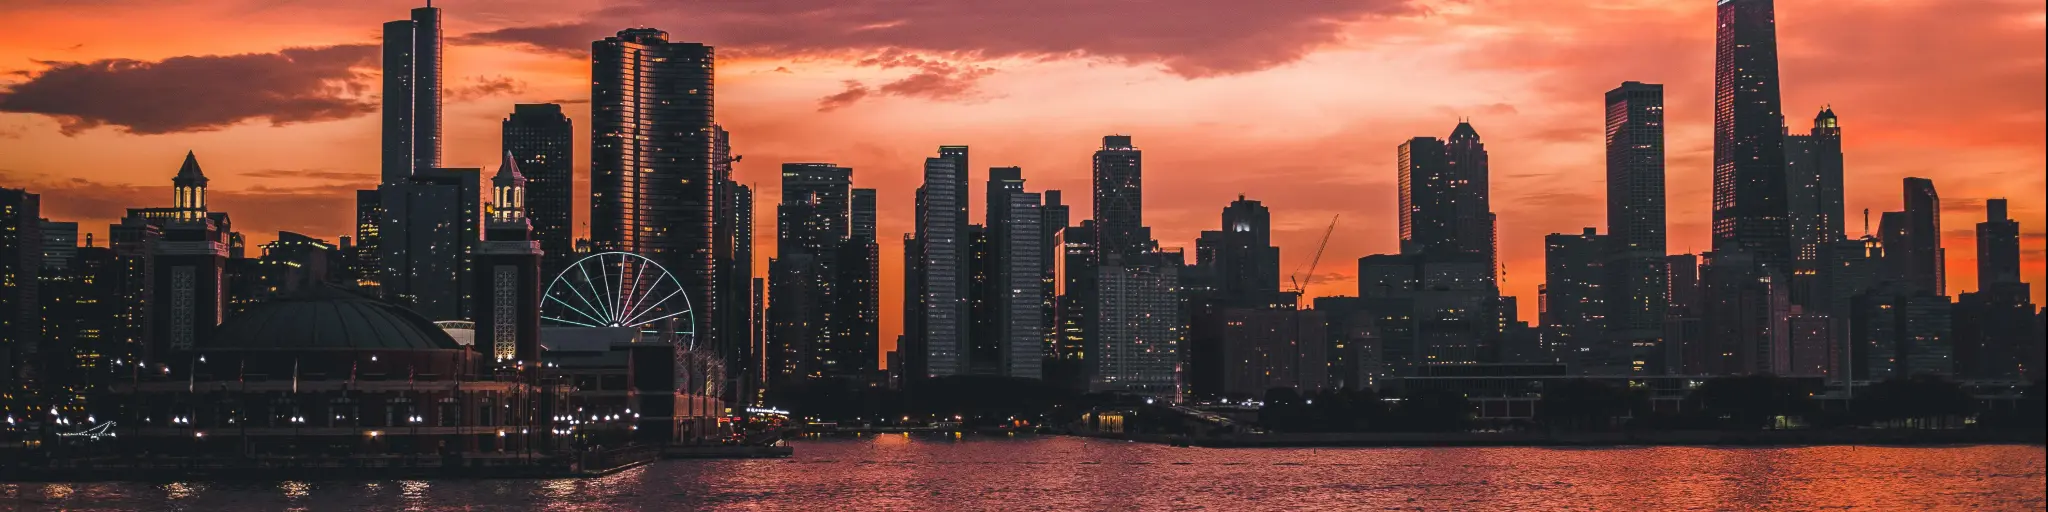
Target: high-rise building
538	137
1900	334
1469	187
1445	202
942	232
508	276
812	221
1247	263
186	298
412	95
733	254
432	224
59	243
1750	210
1138	330
1256	349
1998	247
1637	276
1078	337
1053	218
1574	304
1019	284
21	264
1744	316
368	260
1813	173
856	338
651	160
1924	258
1120	200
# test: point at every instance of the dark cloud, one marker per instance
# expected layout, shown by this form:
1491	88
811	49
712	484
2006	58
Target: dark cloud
568	39
485	86
1191	38
854	92
934	80
201	93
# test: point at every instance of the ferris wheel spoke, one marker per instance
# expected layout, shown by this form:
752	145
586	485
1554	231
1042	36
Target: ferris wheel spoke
578	324
634	299
667	316
578	311
587	282
635	320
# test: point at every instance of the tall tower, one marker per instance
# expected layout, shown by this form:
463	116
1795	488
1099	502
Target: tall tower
1925	260
1424	201
1637	276
1750	209
1120	201
187	299
412	94
1015	275
537	136
507	314
1813	173
734	256
21	261
943	234
1247	263
857	319
811	223
651	163
1998	247
1469	190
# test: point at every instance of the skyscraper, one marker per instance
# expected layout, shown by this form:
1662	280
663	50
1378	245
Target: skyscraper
1019	284
1998	247
856	337
1445	202
21	261
369	266
1750	211
1247	263
1574	306
811	223
733	254
942	233
1120	200
1923	255
412	95
1139	329
1638	278
1813	172
537	136
1468	188
432	226
651	176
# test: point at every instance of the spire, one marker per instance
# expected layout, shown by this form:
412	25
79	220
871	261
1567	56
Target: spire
1826	118
508	173
1464	131
189	174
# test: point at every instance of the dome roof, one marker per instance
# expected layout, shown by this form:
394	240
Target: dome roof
325	318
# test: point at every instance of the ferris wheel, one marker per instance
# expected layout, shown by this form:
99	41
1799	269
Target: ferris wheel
622	290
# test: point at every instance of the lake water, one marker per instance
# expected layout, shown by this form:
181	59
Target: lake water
1061	473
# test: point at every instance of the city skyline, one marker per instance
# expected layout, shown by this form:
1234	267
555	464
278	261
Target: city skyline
1543	142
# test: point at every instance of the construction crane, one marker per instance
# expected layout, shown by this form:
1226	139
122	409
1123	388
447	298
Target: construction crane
1301	280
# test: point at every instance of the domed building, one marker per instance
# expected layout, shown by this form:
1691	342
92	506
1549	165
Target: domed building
331	372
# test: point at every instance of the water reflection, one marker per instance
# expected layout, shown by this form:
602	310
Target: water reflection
895	472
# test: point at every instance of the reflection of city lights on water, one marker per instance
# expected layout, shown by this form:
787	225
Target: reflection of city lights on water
57	492
181	490
296	490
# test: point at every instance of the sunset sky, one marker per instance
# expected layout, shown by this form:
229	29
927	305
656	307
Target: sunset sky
1297	103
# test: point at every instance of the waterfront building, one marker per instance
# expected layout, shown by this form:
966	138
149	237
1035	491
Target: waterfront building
652	181
1637	279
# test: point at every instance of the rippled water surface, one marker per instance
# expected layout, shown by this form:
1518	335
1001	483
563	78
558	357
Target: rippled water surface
1058	473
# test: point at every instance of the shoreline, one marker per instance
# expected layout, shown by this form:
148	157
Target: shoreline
1704	438
330	471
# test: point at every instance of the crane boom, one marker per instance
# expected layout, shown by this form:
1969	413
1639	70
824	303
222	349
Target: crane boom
1301	281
